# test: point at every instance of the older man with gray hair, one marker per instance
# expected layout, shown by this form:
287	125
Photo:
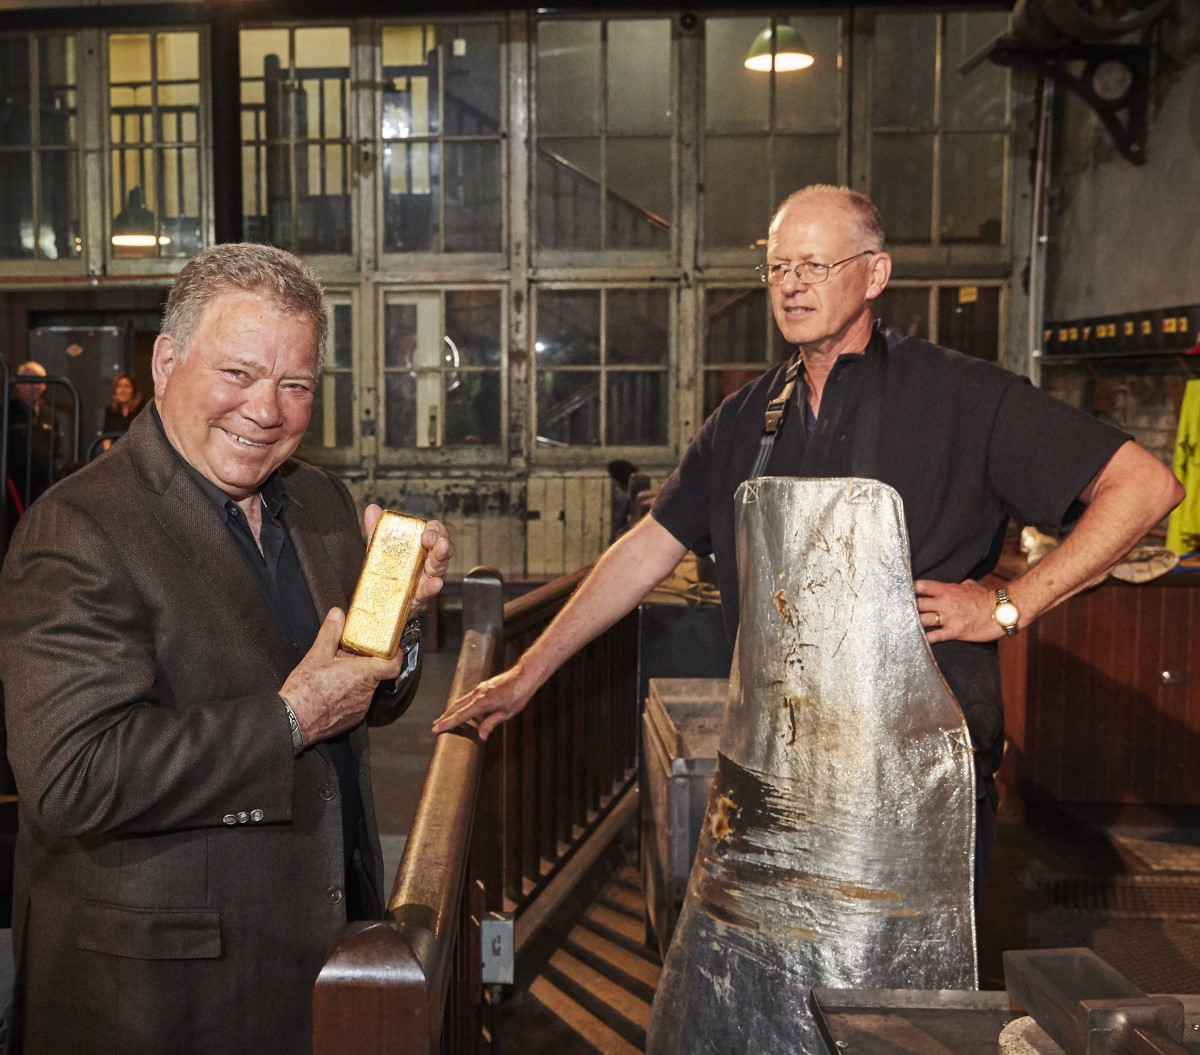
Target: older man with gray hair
188	739
965	444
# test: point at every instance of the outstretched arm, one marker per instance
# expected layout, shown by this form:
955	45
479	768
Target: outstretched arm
1126	498
630	569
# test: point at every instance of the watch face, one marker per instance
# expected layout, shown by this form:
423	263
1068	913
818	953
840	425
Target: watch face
1006	613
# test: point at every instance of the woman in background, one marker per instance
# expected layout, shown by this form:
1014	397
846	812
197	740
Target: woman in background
123	406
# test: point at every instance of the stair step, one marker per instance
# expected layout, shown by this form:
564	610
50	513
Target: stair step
609	921
634	963
598	1035
624	899
607	999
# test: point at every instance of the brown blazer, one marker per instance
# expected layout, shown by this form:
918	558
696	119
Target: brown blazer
179	872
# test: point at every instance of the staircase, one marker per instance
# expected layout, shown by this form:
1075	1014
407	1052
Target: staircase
592	995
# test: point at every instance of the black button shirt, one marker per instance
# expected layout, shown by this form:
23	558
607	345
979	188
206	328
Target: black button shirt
277	569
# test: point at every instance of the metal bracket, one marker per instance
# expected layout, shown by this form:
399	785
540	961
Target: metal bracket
496	939
1114	82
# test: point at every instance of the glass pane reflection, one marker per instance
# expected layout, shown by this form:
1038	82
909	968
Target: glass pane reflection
638	328
905	309
568	407
736	192
568	327
473	325
56	90
969	320
16	207
473	409
474	208
15	126
639	193
735	325
332	424
903	70
568	77
400	395
636	408
58	238
973	188
902	184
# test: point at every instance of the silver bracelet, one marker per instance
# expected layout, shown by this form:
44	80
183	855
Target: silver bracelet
297	733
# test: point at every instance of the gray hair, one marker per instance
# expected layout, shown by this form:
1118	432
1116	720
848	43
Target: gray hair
866	215
288	284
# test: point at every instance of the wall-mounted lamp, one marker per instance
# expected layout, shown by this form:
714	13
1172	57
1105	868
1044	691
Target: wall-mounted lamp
133	226
778	47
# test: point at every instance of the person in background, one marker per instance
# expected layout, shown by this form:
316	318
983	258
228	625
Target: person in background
35	441
124	404
966	445
187	737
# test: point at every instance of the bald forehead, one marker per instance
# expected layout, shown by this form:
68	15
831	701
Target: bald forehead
832	211
31	370
816	227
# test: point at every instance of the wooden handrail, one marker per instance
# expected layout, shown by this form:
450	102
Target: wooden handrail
495	823
398	970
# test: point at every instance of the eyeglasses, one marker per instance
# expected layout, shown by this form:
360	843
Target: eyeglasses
810	273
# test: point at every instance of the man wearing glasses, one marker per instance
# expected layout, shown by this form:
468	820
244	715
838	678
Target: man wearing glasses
966	445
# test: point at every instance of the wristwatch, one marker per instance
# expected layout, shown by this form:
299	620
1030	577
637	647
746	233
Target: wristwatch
294	725
1005	613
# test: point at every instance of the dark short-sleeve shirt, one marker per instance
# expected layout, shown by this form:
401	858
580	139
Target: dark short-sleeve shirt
966	445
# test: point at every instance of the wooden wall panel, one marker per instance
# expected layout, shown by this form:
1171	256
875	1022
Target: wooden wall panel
541	527
535	525
574	519
1094	718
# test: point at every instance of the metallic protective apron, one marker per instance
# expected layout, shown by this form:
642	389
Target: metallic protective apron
838	844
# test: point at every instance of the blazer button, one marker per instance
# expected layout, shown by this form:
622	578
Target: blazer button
243	817
256	815
327	794
229	818
334	893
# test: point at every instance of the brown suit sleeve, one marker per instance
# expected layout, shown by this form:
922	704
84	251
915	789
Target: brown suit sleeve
101	738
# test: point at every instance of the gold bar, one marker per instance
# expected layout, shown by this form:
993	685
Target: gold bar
386	586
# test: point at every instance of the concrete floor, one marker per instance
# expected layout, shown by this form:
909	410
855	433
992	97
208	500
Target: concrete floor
1127	887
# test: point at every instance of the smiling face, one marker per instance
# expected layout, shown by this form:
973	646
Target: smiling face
123	391
833	316
238	403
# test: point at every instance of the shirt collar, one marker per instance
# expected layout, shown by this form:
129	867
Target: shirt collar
274	497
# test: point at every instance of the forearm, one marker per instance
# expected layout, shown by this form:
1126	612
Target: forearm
627	571
1126	500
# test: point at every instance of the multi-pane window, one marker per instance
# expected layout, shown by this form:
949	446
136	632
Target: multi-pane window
332	423
965	317
297	155
602	359
939	137
767	132
602	161
442	138
740	340
442	368
156	145
39	157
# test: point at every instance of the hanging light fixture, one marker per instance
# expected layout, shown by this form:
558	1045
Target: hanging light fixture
133	226
778	47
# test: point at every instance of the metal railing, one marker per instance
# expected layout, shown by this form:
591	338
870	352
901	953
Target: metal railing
499	826
33	451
